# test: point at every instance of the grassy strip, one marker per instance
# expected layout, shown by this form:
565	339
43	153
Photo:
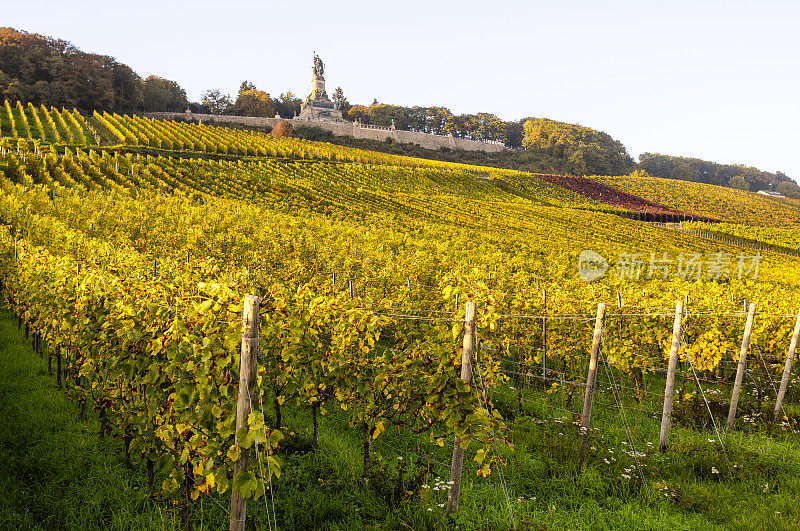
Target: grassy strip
55	473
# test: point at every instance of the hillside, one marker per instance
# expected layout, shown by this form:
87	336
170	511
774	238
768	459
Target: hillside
130	154
128	249
559	155
702	171
718	202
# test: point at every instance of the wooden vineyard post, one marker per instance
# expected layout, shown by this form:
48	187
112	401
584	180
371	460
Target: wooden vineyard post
737	385
466	374
247	377
787	368
58	367
591	380
669	389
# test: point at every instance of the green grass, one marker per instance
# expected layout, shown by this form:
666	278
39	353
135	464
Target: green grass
56	473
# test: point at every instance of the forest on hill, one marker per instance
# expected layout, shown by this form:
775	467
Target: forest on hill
53	72
702	171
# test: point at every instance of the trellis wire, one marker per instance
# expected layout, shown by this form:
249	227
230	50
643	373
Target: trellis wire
499	468
258	455
625	424
705	400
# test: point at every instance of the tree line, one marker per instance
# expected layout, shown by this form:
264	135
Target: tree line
731	175
53	72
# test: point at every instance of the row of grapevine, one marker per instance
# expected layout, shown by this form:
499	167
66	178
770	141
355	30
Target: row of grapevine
75	129
36	121
76	121
66	132
108	122
177	334
49	125
383	276
12	125
25	130
53	134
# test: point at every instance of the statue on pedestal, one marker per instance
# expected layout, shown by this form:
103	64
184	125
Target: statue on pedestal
319	66
318	107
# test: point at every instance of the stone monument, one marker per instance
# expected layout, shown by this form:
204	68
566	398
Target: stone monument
318	107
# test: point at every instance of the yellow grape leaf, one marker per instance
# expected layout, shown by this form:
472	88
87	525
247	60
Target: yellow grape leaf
378	429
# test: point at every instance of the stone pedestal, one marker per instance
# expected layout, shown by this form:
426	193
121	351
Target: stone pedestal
318	107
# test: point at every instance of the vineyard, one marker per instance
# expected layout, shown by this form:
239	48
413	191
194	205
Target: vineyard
129	245
706	200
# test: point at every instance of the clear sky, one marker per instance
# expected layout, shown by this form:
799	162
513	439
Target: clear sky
718	80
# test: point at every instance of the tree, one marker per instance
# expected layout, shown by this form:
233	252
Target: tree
359	113
462	126
89	81
49	71
216	101
739	182
254	103
340	100
163	95
417	118
490	127
585	151
789	189
198	108
514	134
385	115
287	104
128	87
436	120
245	86
586	160
282	128
703	171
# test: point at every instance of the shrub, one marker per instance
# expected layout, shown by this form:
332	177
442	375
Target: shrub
283	128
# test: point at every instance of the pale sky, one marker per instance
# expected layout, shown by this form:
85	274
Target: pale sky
719	80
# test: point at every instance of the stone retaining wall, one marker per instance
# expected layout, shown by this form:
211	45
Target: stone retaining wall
354	129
